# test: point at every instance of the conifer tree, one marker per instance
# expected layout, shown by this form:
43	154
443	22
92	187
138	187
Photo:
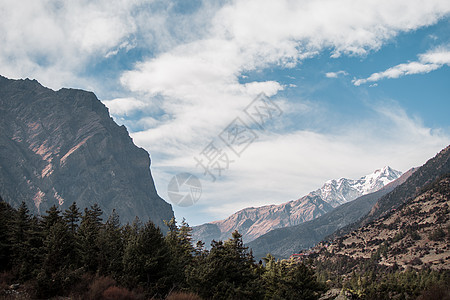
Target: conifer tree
288	279
227	271
90	226
26	243
6	216
179	243
146	260
72	216
111	246
52	216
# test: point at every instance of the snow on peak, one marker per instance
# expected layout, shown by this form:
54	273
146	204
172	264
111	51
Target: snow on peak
337	192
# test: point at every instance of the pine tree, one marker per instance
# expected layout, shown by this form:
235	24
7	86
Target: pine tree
7	214
72	216
51	217
26	243
111	246
179	242
227	271
288	279
55	272
146	260
57	248
90	226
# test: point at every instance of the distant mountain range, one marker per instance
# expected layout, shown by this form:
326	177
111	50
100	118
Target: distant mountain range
59	147
351	216
253	222
283	242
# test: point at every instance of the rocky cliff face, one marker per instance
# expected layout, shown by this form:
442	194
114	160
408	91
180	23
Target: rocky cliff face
60	147
254	222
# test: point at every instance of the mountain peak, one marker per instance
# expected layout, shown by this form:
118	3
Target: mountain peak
337	192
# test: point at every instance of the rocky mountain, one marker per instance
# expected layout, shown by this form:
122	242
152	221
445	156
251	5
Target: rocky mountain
285	241
429	172
282	242
415	234
253	222
57	147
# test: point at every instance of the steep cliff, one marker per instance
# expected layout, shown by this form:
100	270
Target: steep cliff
57	147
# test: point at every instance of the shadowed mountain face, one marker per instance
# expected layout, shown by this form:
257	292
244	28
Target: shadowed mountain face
60	147
253	222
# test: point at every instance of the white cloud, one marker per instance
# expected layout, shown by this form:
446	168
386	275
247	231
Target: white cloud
439	56
430	61
54	41
57	41
336	74
124	106
199	80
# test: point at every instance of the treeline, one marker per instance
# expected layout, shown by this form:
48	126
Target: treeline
74	254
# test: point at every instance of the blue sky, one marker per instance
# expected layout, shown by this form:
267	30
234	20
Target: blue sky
361	84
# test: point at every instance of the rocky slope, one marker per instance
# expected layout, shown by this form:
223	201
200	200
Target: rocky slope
253	222
57	147
283	242
416	234
429	172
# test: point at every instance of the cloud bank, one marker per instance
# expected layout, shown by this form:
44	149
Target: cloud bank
177	74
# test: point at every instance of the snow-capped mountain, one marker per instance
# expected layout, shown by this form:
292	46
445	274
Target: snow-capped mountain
253	222
337	192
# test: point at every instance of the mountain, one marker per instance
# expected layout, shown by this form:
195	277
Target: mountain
57	147
415	234
429	172
337	192
253	222
349	217
283	242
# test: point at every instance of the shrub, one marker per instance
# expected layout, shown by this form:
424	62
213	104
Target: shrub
414	235
182	296
437	235
118	293
80	288
416	261
435	292
98	286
